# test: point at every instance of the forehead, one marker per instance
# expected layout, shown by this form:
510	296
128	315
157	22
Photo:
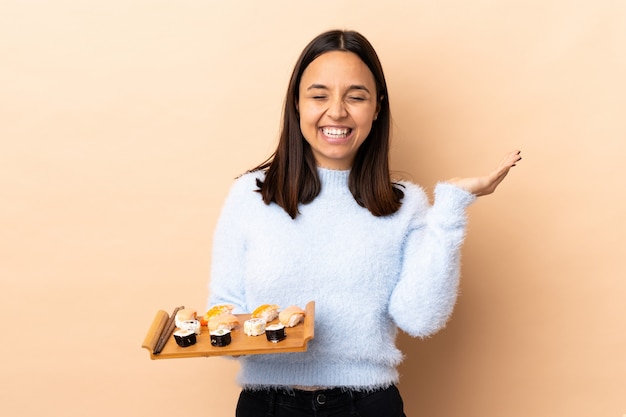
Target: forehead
337	68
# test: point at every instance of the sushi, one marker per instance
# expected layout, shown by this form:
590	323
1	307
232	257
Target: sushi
267	312
291	316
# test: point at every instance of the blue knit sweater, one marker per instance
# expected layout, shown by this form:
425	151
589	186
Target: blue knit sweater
368	276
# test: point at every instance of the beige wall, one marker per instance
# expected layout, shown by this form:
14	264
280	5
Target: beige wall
122	124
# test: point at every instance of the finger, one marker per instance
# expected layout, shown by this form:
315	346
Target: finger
516	156
498	175
509	160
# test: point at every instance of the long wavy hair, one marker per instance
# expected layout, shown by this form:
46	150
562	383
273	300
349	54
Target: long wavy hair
291	172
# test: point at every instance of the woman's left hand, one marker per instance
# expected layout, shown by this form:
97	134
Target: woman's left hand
487	184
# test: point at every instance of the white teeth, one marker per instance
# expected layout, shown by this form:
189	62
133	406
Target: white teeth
335	132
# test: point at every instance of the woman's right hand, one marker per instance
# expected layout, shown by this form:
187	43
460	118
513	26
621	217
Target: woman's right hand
487	184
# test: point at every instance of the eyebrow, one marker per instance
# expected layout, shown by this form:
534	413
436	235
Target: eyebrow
352	87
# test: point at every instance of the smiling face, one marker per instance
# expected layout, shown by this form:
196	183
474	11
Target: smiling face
337	106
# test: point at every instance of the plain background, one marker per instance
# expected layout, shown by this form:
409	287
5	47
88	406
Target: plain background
124	122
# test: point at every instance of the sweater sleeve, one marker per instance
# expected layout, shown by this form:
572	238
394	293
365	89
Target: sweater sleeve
426	292
226	285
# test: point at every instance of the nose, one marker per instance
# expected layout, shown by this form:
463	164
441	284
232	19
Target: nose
337	109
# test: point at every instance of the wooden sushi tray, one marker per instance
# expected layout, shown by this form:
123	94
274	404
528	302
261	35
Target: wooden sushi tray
241	344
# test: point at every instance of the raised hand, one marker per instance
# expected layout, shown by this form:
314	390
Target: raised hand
487	184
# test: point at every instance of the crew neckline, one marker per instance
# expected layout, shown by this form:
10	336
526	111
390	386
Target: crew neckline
333	179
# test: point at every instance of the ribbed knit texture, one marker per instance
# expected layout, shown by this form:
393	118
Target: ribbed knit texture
367	275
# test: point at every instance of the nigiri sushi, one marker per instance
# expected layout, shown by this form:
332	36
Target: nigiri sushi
224	321
216	310
291	316
267	312
184	315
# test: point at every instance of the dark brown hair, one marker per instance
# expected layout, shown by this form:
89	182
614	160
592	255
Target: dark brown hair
291	172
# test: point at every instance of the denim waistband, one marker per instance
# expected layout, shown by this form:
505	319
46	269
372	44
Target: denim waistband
324	398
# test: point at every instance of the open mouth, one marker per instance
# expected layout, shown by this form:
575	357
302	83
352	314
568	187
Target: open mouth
336	132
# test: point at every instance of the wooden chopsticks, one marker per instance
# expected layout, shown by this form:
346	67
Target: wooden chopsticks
167	331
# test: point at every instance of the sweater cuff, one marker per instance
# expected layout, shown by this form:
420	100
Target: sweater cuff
452	197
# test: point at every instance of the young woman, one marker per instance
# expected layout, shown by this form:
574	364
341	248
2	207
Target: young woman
322	220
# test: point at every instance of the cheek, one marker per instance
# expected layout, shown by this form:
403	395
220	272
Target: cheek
308	126
365	126
309	117
365	117
305	121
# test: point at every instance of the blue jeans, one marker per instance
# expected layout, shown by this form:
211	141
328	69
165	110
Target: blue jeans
385	402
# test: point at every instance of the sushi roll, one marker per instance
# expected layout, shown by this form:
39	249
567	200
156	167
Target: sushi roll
254	327
184	337
193	325
275	333
220	338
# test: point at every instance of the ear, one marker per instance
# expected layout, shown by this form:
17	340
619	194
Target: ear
380	100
